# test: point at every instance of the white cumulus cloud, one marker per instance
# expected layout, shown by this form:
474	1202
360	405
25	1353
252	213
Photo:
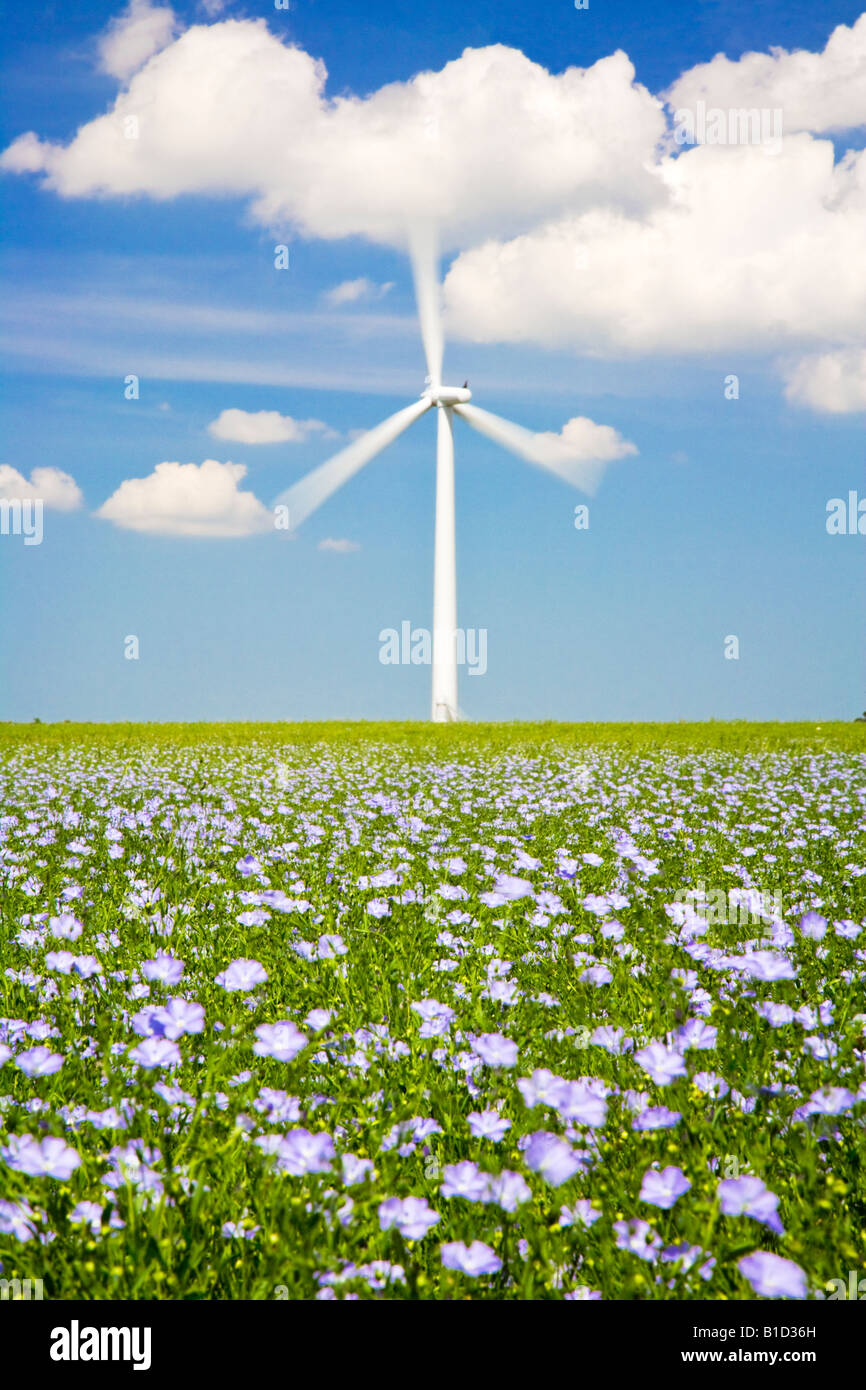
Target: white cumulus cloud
814	91
581	439
265	427
51	486
188	499
131	39
487	145
576	224
834	382
748	251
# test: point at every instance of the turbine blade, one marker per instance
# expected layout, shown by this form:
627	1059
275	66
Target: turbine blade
545	452
425	272
304	496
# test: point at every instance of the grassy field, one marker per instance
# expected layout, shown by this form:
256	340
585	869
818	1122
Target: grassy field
733	734
412	1012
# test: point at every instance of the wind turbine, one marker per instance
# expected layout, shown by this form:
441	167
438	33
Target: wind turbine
546	451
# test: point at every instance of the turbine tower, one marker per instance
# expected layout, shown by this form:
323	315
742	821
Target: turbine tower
546	451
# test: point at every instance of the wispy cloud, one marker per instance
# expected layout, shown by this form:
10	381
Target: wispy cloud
57	356
339	547
89	333
356	291
93	306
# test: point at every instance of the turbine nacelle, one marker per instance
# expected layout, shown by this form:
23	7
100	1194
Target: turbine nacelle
447	395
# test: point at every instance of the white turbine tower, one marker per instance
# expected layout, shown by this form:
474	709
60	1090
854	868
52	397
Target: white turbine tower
547	451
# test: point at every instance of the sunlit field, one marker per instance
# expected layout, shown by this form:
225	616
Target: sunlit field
419	1012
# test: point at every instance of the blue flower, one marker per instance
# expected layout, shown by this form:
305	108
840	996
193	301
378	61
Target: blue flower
832	1100
88	1213
317	1019
580	1102
282	1041
747	1196
508	1190
242	975
436	1018
356	1170
663	1189
17	1219
411	1216
65	926
660	1063
507	889
487	1124
156	1052
582	1213
301	1152
52	1158
638	1237
236	1230
465	1180
495	1050
39	1061
330	946
475	1259
551	1157
165	968
771	1276
812	924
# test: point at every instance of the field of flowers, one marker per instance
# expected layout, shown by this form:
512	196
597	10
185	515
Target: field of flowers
420	1014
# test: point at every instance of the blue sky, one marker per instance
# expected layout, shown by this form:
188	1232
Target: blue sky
716	527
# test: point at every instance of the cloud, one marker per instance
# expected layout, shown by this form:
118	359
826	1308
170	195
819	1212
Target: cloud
580	440
576	223
52	487
188	499
265	427
339	547
131	39
488	145
351	291
578	454
749	251
834	382
86	330
814	91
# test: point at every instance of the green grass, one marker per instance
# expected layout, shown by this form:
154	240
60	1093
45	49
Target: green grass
730	734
